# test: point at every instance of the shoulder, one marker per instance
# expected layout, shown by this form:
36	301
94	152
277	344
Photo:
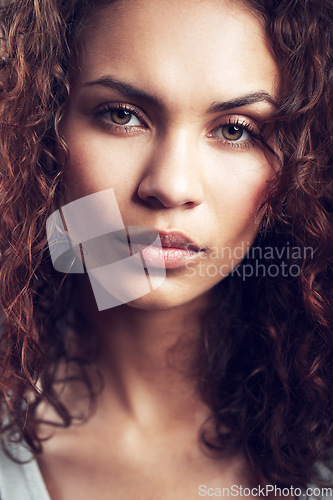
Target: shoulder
316	492
20	481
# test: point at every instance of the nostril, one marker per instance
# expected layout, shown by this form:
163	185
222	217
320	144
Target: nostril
155	202
169	193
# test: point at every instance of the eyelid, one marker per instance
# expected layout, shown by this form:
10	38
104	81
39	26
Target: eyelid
120	105
241	121
234	118
247	124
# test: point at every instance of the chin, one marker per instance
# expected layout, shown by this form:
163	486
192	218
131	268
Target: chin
161	303
168	297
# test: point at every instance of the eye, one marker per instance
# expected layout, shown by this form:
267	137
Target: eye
233	132
236	133
121	117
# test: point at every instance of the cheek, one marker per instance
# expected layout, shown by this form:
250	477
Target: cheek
244	199
96	164
238	191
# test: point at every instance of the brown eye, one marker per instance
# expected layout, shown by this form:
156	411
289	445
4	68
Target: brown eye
232	132
121	116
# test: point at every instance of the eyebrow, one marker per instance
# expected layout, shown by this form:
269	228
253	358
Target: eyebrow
131	91
126	89
238	102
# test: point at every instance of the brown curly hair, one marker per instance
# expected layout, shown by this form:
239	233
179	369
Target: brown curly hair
266	349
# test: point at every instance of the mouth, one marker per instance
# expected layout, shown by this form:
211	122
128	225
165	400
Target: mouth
165	249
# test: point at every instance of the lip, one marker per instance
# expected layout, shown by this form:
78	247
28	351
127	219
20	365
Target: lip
175	239
176	250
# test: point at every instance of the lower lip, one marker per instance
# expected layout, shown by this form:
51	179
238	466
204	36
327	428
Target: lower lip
166	257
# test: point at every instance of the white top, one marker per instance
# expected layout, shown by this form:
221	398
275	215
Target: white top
21	481
25	481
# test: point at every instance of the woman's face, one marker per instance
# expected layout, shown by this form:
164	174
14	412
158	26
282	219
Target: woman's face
165	110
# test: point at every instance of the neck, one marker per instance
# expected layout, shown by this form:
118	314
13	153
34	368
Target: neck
147	357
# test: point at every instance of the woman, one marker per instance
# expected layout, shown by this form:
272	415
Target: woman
206	127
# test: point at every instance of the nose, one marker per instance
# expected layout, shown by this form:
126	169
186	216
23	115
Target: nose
173	174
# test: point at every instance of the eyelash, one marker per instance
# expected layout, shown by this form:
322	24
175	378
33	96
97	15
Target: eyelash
240	124
136	112
120	106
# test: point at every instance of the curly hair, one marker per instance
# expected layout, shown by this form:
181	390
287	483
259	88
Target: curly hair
265	353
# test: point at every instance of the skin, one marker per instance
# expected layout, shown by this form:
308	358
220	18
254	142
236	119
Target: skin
171	169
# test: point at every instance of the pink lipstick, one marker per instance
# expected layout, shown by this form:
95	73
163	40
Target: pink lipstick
173	251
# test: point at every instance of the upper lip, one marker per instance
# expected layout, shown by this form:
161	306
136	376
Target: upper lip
176	239
169	239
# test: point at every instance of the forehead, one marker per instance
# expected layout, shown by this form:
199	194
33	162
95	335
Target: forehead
179	48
